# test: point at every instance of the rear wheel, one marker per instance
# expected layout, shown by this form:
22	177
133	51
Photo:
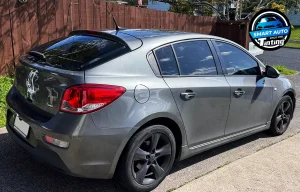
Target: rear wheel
147	159
282	116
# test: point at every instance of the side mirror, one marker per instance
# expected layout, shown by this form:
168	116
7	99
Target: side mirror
271	72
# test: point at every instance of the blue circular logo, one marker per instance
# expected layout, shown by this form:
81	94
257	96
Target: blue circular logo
270	29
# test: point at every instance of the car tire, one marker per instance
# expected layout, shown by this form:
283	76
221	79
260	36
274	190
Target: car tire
282	116
147	159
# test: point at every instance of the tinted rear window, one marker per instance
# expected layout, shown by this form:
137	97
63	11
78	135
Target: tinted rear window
167	61
77	52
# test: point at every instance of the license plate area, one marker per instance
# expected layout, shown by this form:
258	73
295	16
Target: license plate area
21	126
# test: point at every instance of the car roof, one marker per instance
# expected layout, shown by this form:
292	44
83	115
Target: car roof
152	38
147	38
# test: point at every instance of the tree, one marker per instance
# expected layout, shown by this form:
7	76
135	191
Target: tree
242	6
293	5
253	6
183	6
198	7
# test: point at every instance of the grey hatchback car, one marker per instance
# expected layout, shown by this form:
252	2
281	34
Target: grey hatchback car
128	103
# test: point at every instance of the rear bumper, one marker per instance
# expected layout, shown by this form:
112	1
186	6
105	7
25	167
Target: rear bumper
40	152
77	160
93	152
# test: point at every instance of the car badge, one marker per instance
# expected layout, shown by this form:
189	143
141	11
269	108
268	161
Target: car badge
32	86
52	96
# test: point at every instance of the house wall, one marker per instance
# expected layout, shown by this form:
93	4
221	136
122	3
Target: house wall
294	18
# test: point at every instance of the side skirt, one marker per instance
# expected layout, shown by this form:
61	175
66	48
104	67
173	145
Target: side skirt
190	151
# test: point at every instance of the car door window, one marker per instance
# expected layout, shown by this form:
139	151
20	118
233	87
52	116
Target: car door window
195	58
167	61
236	61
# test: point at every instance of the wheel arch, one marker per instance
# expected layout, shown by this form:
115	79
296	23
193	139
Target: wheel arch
166	119
292	94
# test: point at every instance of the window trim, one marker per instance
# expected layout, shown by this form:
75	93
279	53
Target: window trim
216	57
222	60
153	64
213	52
176	59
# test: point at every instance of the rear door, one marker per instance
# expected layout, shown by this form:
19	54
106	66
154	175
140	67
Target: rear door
199	88
46	71
251	93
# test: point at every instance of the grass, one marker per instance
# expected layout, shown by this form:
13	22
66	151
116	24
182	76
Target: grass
284	70
5	84
294	40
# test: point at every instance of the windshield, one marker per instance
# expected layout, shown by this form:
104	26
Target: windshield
263	20
271	19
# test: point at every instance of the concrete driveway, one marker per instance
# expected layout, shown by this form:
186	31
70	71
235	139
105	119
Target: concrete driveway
284	56
275	168
20	172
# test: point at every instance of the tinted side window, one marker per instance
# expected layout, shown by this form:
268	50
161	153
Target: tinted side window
236	61
195	58
167	61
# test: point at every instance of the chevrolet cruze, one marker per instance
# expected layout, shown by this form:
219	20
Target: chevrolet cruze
128	103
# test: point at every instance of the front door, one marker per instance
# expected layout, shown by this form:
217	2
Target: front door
251	93
201	94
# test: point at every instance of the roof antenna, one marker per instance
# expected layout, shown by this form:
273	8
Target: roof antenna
117	27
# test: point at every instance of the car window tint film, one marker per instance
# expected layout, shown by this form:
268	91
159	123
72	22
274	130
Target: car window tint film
74	52
195	58
167	61
236	61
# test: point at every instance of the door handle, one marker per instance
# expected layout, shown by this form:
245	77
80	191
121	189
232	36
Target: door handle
188	95
239	92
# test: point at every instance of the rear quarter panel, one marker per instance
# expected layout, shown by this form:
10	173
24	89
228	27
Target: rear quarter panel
126	115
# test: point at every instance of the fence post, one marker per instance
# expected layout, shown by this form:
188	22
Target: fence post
12	39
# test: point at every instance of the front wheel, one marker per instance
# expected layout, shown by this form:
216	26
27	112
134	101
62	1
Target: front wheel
147	159
282	116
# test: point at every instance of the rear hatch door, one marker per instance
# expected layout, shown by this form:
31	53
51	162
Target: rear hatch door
41	87
49	69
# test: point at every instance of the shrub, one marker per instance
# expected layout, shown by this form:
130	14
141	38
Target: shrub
5	84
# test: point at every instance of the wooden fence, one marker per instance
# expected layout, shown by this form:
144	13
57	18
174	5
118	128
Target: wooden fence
24	26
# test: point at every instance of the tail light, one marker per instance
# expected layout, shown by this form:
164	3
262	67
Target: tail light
87	98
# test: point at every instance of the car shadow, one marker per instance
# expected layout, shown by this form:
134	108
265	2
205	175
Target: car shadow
218	150
19	171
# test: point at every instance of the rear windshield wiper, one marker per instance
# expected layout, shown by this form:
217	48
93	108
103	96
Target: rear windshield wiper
38	55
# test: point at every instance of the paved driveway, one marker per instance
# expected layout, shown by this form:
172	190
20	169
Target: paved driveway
20	172
284	56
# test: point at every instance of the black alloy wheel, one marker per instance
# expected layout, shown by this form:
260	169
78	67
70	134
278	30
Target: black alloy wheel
147	159
151	159
282	116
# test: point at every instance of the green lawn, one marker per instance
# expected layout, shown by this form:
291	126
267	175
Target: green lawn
284	70
294	40
5	84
